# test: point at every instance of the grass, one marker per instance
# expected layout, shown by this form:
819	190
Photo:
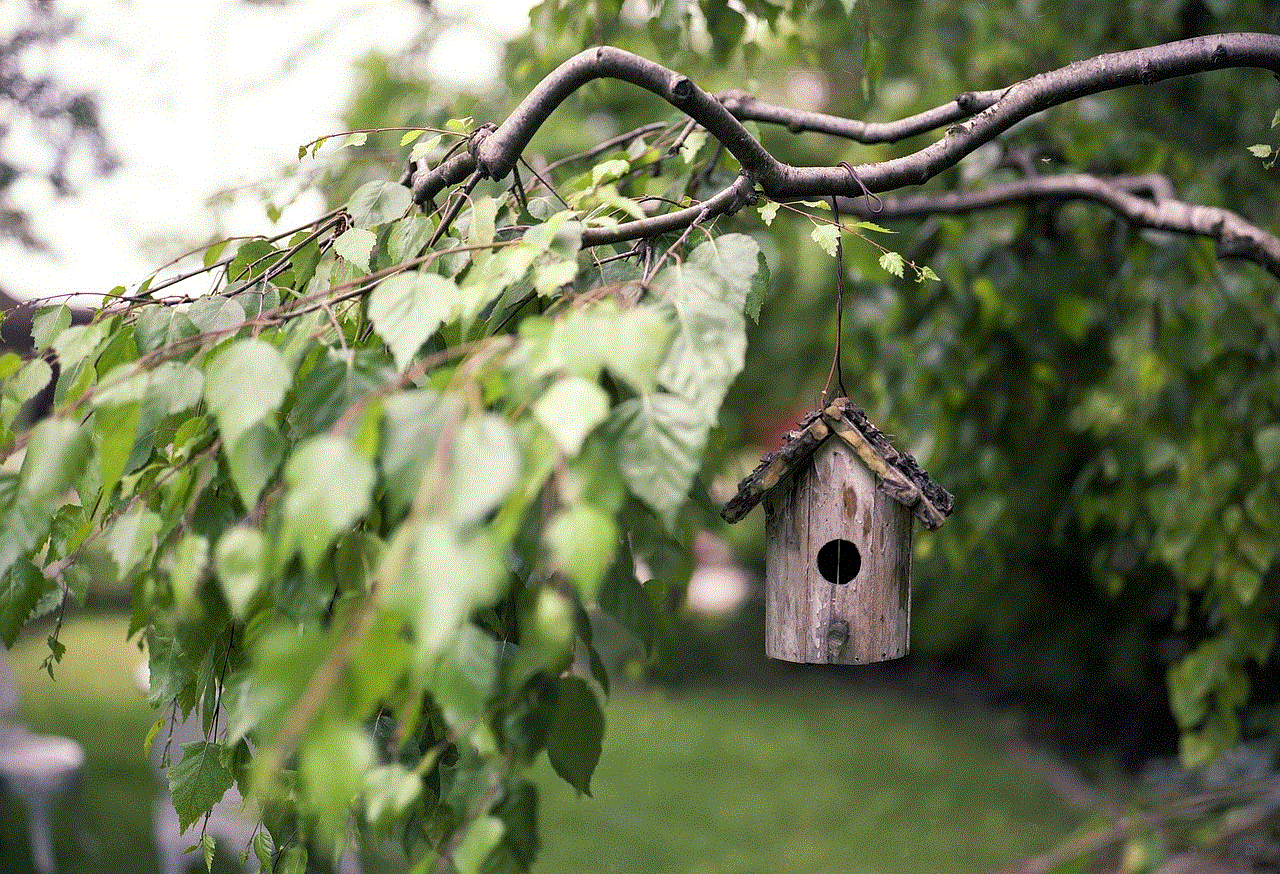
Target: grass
812	781
816	779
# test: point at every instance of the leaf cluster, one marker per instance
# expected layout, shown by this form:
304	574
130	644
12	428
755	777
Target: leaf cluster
369	491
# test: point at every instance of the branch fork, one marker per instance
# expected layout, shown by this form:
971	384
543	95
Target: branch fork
970	120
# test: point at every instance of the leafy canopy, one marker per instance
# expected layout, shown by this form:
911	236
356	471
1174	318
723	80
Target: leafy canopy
368	490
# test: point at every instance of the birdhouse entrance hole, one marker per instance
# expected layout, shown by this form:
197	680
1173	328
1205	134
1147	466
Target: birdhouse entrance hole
839	561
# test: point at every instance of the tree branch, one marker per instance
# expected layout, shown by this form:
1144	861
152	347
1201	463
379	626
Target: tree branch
495	152
745	107
1235	236
726	202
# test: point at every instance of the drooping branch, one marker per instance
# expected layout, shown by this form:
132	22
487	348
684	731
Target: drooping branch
1235	236
495	151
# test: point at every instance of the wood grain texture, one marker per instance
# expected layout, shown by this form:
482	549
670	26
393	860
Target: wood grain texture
809	619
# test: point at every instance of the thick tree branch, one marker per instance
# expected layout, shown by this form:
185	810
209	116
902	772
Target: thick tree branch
495	152
1235	236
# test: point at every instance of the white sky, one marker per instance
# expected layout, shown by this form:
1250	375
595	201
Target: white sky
201	97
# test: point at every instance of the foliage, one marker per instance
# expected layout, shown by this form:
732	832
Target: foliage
352	490
367	491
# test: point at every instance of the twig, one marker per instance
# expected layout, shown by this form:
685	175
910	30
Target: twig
1128	826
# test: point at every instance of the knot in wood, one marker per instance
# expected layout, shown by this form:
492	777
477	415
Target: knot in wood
680	88
837	638
476	140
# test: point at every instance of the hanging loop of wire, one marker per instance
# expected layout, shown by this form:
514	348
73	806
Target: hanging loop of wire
875	204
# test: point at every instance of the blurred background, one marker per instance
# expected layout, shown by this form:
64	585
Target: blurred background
1089	393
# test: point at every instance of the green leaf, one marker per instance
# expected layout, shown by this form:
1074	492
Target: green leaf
570	410
160	326
262	849
116	429
55	458
642	339
186	566
315	511
577	731
408	237
548	278
245	383
607	171
486	467
389	791
358	138
734	259
421	152
355	245
627	601
710	342
378	203
415	425
215	314
207	846
660	440
410	136
1267	442
21	589
199	781
693	144
171	387
332	763
407	308
240	562
47	324
439	575
253	460
891	263
26	383
214	252
131	538
78	342
768	212
582	540
870	226
1191	680
826	236
1260	150
484	214
478	842
462	679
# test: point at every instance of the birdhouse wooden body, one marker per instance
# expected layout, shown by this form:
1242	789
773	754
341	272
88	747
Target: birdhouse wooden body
839	501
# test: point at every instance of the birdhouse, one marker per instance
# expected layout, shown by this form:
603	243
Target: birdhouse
839	500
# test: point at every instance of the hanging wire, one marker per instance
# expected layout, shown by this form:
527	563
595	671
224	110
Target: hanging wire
837	369
874	205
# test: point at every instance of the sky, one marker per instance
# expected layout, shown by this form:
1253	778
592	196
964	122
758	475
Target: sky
199	97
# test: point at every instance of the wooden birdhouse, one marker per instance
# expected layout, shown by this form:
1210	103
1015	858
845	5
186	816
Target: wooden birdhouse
838	505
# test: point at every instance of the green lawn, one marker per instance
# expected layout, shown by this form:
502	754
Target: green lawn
810	780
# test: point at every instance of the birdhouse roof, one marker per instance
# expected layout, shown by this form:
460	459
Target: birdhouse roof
897	473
